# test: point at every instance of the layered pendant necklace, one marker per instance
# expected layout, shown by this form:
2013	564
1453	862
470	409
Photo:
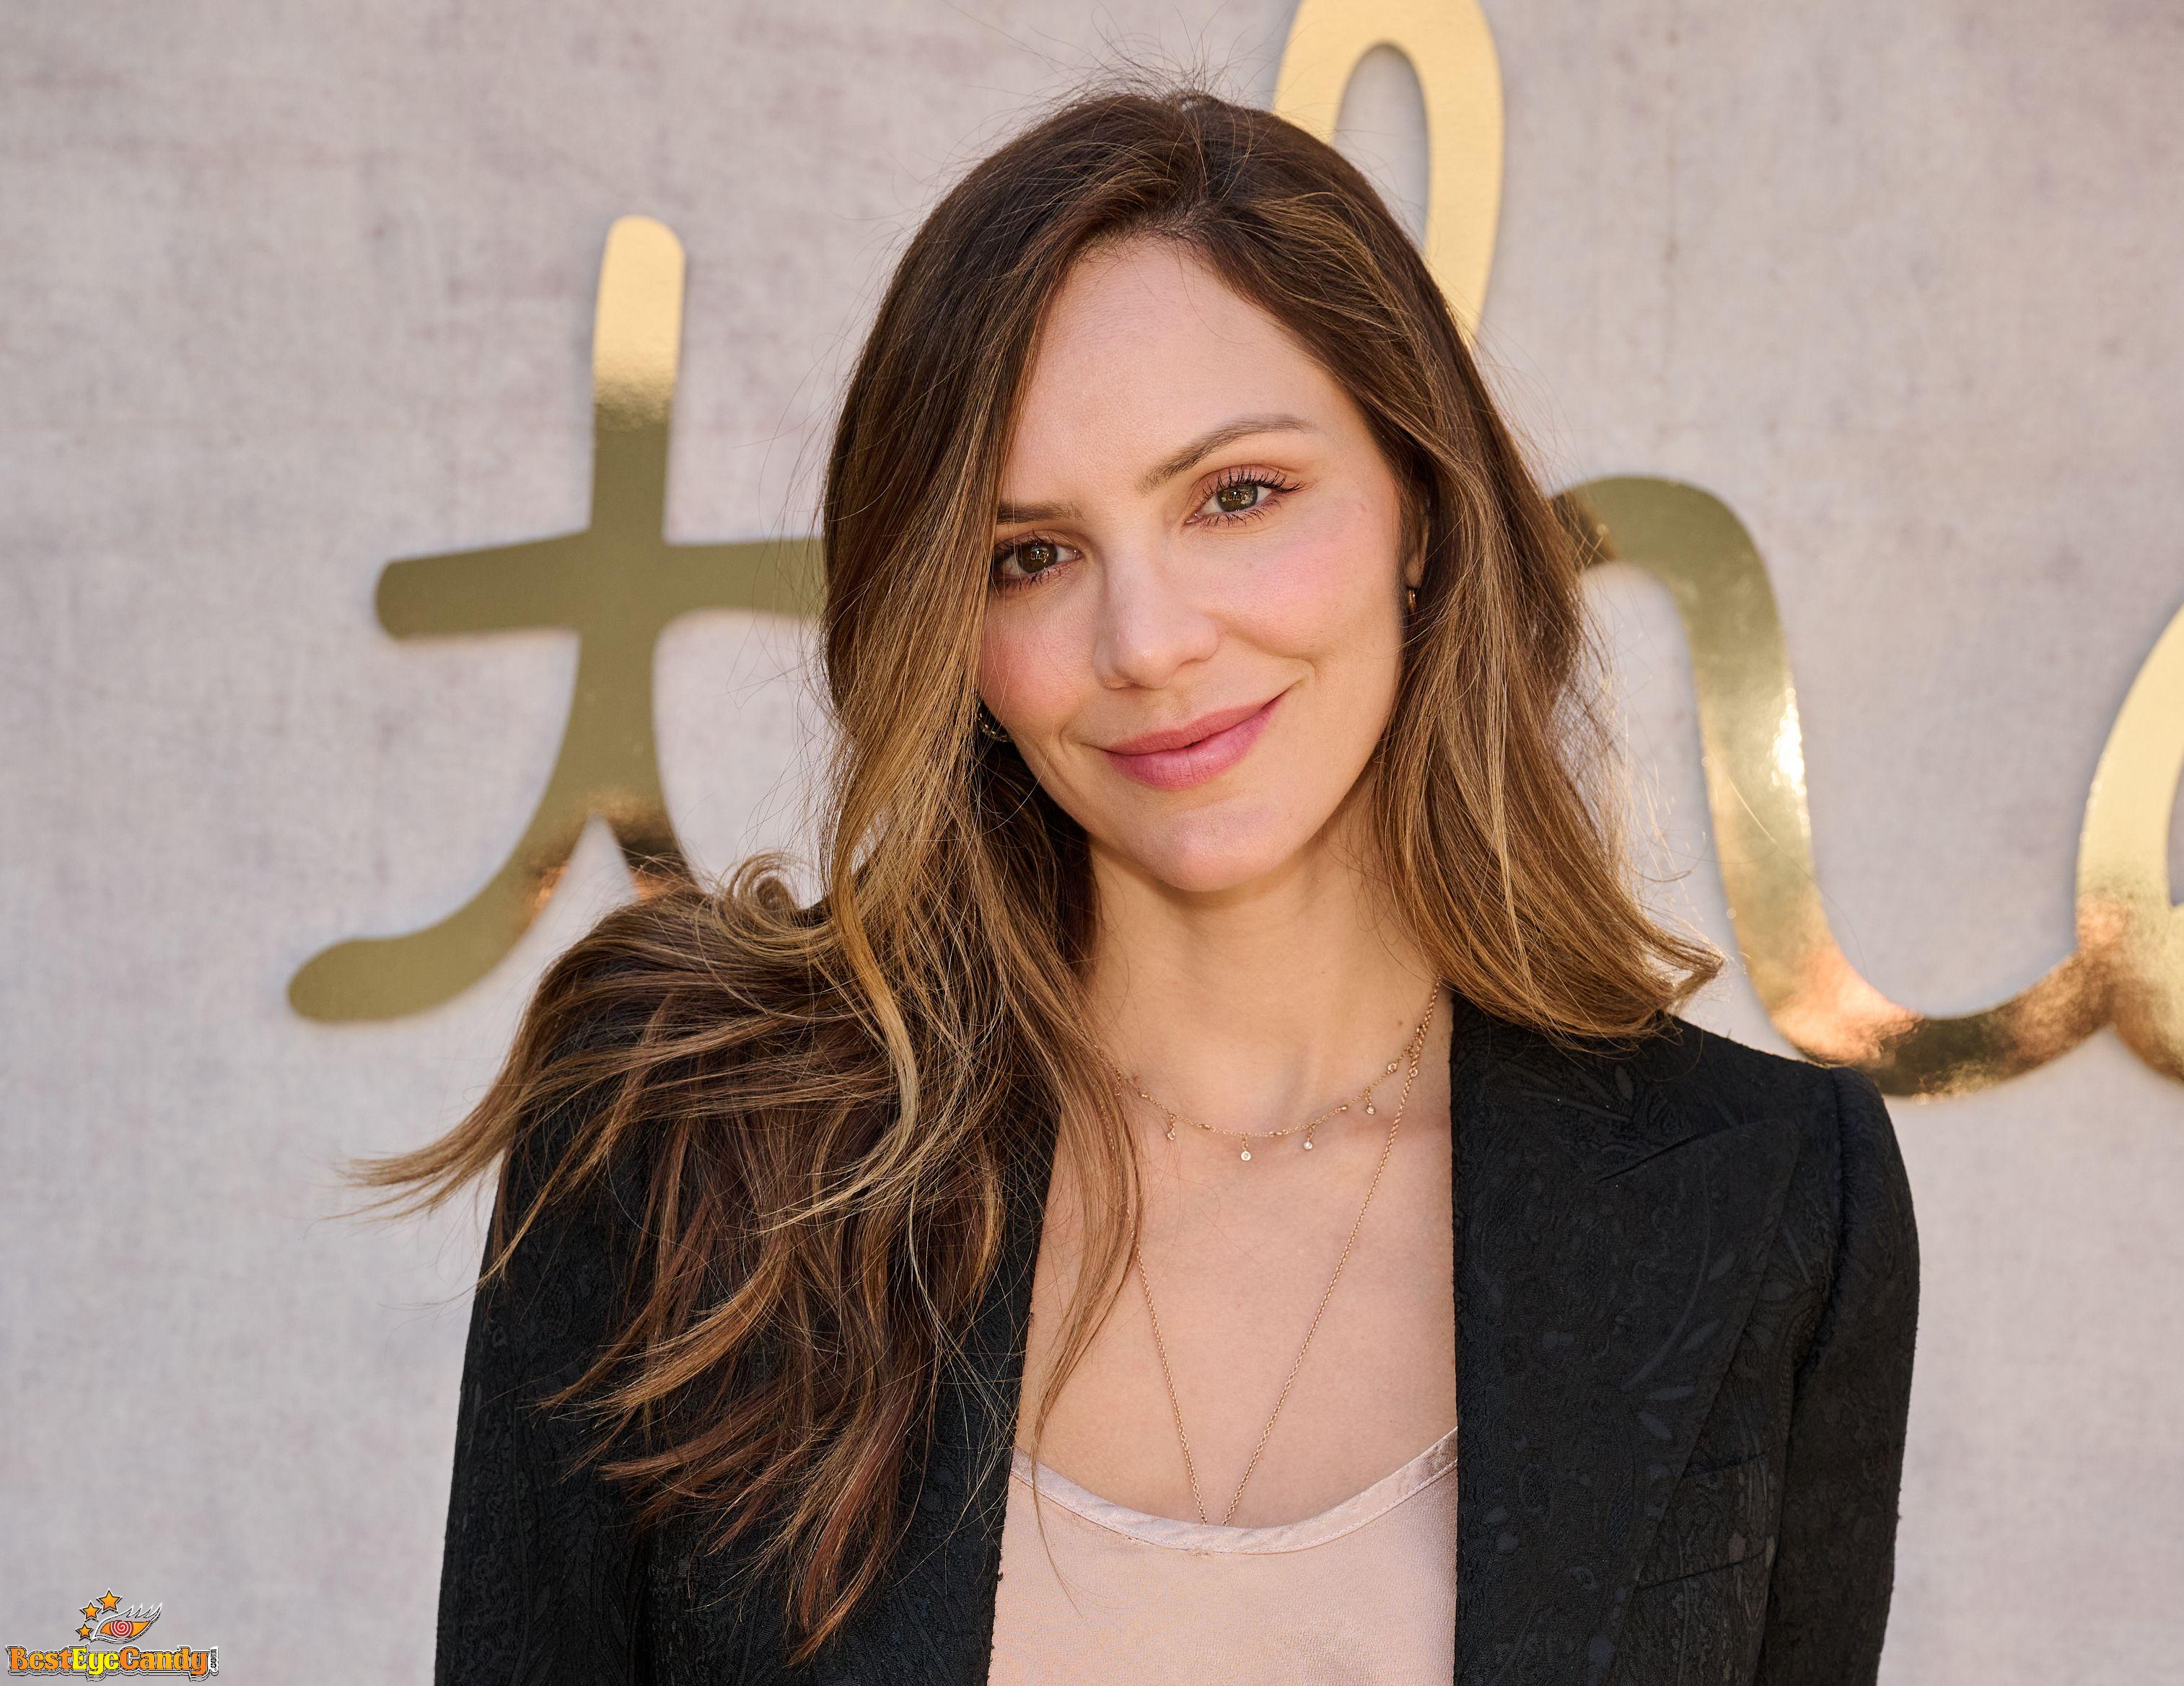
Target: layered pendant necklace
1413	1051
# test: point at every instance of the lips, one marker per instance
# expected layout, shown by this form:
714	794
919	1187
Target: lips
1176	758
1191	732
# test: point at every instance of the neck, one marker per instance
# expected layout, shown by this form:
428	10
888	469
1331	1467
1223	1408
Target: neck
1251	1007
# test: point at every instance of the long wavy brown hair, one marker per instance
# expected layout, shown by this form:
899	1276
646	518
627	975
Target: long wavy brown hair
822	1104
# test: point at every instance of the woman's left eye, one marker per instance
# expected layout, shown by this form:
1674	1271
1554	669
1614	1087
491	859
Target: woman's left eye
1244	494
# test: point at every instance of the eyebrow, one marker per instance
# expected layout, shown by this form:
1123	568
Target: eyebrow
1178	462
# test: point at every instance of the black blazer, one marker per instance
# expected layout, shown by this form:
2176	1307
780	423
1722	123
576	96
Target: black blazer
1686	1284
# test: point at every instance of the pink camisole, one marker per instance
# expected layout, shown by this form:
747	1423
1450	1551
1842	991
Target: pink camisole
1363	1594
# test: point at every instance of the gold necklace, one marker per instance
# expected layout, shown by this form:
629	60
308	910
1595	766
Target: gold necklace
1129	1080
1416	1050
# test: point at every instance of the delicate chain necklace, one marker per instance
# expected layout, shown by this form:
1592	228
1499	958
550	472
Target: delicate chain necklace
1415	1050
1363	1099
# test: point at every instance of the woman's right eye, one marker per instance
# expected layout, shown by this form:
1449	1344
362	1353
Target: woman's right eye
1024	561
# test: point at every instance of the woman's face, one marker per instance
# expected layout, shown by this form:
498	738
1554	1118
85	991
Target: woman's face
1195	620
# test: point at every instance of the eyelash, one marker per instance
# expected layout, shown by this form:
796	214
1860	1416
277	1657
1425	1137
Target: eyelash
1277	485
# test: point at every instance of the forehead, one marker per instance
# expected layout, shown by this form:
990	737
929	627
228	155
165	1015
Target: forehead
1144	347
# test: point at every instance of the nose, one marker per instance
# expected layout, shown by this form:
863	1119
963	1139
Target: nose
1152	625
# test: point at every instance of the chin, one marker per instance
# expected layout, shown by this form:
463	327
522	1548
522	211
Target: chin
1210	853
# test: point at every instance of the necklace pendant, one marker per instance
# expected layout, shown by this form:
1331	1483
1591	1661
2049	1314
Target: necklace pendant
1170	1132
1307	1144
1247	1153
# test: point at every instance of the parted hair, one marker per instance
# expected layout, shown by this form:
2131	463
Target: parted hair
821	1102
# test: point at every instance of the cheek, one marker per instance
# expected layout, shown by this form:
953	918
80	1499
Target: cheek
1324	584
1025	673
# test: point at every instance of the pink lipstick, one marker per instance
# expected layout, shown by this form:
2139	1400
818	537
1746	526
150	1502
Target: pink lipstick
1177	758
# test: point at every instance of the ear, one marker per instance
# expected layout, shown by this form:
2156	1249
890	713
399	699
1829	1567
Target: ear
1414	541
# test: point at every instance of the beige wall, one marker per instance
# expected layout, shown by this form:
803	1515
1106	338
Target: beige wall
290	290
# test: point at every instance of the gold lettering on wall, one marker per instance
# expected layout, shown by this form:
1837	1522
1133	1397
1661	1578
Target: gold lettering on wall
2128	968
1451	52
618	584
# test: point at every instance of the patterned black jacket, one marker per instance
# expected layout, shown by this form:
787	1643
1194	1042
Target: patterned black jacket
1685	1291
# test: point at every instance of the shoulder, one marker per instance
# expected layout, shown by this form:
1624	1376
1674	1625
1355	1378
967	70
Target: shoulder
1706	1068
1618	1104
1837	1106
1817	1138
1681	1080
652	994
1849	1186
663	1025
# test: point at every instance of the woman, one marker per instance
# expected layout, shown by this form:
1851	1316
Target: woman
1215	1187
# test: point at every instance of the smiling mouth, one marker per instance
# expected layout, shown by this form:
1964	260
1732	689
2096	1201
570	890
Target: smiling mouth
1205	748
1191	732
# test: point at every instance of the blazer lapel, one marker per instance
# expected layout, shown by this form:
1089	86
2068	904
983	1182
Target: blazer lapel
1609	1243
